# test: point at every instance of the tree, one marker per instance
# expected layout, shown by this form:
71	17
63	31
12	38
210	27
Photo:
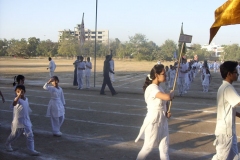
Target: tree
32	46
166	50
47	48
3	47
232	52
18	48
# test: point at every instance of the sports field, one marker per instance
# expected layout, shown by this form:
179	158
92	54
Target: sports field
105	127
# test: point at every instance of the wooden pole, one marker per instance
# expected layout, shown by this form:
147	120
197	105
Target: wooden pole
175	79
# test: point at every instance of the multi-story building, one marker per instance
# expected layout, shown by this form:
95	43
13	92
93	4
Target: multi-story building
214	48
102	35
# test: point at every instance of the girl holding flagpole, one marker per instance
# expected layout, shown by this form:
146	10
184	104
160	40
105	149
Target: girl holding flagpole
154	130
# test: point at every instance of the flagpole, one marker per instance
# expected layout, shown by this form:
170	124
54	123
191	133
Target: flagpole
95	45
175	79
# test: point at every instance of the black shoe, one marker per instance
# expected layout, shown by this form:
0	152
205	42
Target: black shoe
114	94
102	93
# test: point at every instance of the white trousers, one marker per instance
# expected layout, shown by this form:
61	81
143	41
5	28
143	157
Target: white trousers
163	145
171	82
80	80
181	85
56	124
205	88
27	131
51	73
88	81
226	148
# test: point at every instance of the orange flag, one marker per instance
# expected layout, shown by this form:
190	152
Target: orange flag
227	14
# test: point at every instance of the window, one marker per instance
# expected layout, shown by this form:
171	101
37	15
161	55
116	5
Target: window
93	37
99	32
100	37
93	32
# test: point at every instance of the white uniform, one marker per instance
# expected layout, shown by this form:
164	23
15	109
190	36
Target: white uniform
181	78
225	131
56	108
172	77
206	82
51	67
154	130
111	75
80	74
215	66
238	70
88	73
21	124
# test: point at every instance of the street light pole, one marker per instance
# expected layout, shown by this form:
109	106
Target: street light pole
95	45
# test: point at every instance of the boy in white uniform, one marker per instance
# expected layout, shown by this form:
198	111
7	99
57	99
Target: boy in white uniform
88	72
21	123
181	77
80	73
227	101
51	66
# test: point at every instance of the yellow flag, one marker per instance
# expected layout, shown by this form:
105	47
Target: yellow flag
227	14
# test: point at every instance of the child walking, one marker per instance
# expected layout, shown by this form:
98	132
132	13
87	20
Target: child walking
56	104
21	123
154	130
206	80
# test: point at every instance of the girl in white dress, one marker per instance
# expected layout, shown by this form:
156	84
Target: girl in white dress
56	104
21	123
154	130
88	72
206	81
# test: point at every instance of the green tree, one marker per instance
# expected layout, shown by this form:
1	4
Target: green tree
47	48
32	46
3	47
18	48
166	50
232	52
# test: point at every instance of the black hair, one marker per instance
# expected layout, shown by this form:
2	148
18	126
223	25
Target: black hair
17	79
157	69
226	67
21	87
55	78
49	58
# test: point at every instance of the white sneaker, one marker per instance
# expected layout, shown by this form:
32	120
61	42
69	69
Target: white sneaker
8	147
59	134
34	153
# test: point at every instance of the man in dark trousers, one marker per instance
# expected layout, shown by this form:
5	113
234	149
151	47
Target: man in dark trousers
106	78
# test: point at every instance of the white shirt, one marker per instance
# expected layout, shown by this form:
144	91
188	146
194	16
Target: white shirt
81	67
52	66
88	70
227	99
206	80
57	101
111	64
182	69
21	114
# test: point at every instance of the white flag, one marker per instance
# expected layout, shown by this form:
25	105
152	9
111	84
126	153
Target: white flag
82	32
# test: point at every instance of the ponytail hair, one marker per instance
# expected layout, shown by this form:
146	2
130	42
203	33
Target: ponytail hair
14	80
17	79
157	69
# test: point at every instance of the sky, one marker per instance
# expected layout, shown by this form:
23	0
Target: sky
158	20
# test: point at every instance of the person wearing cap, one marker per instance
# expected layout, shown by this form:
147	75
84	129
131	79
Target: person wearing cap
106	78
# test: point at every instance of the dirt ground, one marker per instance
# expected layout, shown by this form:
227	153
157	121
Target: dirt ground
100	127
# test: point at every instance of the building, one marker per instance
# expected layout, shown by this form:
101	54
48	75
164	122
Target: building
102	35
216	50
